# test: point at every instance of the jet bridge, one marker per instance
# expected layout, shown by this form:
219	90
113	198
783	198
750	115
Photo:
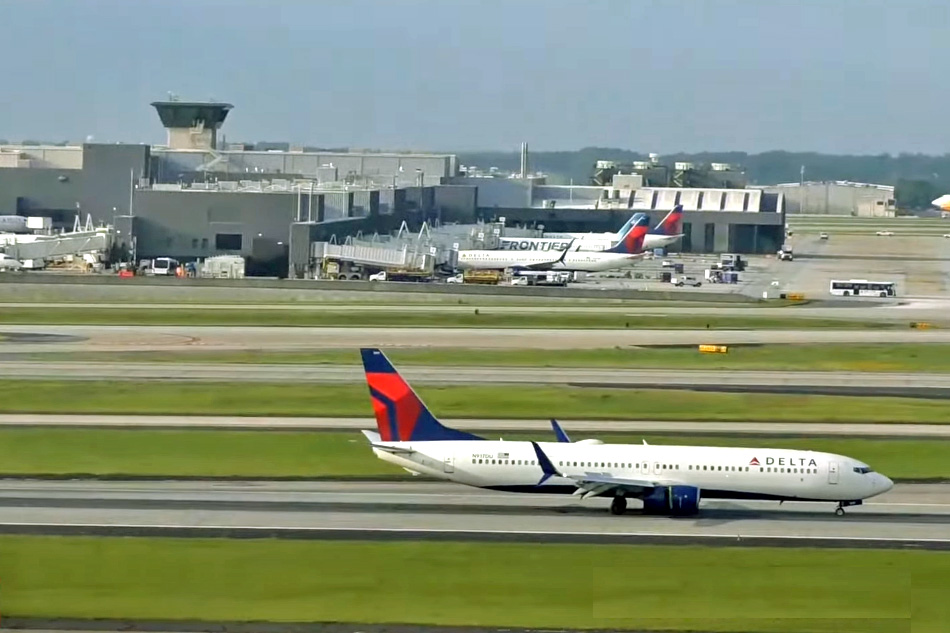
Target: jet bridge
84	241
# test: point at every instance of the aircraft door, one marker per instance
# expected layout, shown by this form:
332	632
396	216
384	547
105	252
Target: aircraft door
644	468
832	472
656	468
448	465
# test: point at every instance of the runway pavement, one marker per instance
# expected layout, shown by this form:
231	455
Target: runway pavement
880	383
573	427
168	338
909	516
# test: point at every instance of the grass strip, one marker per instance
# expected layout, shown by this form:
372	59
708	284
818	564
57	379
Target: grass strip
909	357
490	585
478	317
265	454
456	401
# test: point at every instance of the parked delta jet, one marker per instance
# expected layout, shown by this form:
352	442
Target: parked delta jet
667	479
626	253
669	229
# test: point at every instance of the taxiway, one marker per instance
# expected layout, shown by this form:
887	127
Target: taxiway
911	515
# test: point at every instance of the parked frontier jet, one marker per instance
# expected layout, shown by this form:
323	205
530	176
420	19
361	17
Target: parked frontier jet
943	202
669	229
626	253
667	479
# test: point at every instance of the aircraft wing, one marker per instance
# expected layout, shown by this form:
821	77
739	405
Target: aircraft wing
596	484
592	484
548	265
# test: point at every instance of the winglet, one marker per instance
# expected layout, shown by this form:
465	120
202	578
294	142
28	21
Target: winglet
566	251
559	433
546	466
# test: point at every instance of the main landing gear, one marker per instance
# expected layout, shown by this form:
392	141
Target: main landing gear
844	504
619	505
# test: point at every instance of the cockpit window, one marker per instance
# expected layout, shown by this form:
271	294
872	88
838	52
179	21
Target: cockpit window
863	470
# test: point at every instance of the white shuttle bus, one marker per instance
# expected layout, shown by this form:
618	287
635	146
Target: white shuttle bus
863	288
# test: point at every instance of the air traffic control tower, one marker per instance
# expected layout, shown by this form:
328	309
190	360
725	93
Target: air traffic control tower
192	124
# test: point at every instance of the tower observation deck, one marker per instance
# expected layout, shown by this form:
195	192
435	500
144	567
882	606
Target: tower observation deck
192	124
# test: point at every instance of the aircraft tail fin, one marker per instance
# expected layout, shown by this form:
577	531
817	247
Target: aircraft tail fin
401	416
672	224
628	224
632	241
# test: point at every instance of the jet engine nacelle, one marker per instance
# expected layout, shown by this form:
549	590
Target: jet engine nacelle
675	500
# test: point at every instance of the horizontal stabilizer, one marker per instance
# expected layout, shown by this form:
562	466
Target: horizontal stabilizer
376	442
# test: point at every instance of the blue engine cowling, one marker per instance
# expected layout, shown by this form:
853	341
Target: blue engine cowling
674	500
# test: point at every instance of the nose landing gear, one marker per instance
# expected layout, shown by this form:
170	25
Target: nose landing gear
839	511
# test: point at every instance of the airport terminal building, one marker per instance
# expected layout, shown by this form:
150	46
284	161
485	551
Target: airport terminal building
194	198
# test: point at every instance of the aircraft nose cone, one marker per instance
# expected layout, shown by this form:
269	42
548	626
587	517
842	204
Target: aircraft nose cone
885	484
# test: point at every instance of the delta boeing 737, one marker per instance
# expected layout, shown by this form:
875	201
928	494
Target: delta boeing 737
666	479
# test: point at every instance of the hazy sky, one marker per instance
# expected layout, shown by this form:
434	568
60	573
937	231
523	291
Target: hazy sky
855	76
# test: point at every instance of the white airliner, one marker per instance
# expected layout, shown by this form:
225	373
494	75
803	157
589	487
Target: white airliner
626	253
13	224
943	202
669	230
667	479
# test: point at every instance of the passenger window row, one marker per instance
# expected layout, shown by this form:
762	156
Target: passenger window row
791	471
735	469
646	466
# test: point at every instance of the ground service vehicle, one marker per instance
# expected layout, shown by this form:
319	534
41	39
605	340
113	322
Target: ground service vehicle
731	261
162	266
543	278
488	277
401	275
686	281
862	288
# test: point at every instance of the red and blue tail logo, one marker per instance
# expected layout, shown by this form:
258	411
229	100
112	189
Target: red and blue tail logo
672	224
401	416
632	242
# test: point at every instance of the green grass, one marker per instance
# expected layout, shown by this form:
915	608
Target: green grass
214	453
911	357
459	401
478	317
490	585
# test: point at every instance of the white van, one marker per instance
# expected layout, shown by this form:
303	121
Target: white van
162	266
